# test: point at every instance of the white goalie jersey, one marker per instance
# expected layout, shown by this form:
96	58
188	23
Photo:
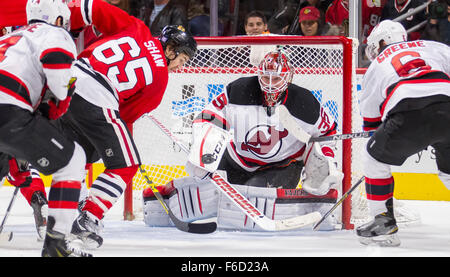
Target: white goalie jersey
258	137
412	69
32	58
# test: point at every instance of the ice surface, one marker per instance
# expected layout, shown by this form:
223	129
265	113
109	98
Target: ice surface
430	238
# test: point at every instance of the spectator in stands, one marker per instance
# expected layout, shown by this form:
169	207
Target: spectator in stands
3	31
438	25
255	23
199	20
337	16
311	22
321	5
158	13
396	8
285	20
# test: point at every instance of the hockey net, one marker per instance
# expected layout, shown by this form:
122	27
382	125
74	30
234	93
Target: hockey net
324	65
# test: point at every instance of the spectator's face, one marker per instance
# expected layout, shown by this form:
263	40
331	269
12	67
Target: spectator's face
3	32
255	26
309	27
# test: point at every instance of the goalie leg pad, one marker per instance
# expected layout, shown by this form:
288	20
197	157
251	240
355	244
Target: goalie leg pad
276	203
320	172
190	199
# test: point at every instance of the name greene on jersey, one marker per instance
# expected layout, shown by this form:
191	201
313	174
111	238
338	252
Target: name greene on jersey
397	47
156	53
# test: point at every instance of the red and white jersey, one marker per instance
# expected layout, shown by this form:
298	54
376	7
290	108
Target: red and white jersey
126	53
413	69
259	139
32	58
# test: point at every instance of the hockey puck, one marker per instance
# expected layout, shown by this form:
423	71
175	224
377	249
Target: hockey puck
208	158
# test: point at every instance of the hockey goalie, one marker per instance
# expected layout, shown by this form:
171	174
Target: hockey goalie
240	136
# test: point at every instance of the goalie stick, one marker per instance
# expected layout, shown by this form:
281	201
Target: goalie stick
196	228
241	201
343	197
289	123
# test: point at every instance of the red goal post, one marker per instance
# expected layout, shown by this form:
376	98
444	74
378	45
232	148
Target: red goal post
325	65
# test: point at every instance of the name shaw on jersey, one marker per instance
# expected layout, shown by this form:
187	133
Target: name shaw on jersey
156	54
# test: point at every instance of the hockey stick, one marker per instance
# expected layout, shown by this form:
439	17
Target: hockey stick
196	228
8	235
343	197
241	201
289	122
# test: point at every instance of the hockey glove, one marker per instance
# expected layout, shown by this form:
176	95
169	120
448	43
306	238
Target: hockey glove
18	177
58	108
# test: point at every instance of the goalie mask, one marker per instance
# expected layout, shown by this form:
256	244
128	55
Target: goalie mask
48	11
387	31
274	75
181	41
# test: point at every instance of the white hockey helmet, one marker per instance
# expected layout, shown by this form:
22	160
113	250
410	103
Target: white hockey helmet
387	31
48	11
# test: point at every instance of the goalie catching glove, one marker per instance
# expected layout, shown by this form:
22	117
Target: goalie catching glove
320	172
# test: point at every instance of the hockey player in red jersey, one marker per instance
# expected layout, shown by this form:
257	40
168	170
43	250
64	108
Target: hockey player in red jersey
121	76
406	99
33	58
260	155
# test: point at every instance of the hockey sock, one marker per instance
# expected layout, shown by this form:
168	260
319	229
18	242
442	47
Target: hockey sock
107	188
63	203
379	192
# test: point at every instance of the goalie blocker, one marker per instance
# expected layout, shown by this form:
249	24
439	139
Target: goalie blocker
192	198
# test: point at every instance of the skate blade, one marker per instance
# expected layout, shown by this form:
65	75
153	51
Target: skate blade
383	241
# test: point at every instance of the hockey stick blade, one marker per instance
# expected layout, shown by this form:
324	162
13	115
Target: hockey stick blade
343	197
195	228
289	123
6	236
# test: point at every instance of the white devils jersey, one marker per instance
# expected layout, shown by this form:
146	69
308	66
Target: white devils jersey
413	69
32	58
258	138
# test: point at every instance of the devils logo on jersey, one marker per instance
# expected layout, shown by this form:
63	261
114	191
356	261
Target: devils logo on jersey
264	141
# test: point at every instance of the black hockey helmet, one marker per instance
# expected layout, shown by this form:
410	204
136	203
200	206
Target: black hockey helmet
179	39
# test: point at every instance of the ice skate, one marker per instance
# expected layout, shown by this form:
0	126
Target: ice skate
382	231
56	244
87	228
